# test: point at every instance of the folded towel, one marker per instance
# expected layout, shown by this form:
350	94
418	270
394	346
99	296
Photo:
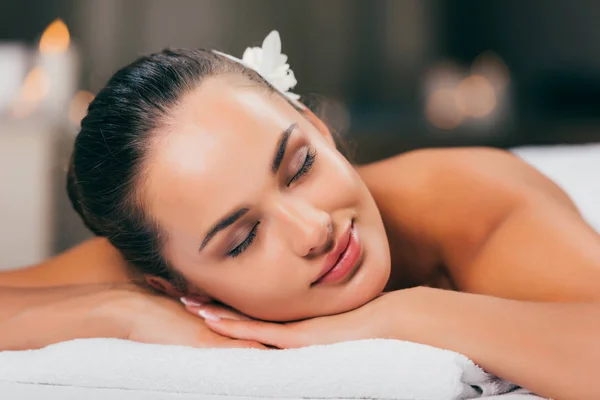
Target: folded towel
376	369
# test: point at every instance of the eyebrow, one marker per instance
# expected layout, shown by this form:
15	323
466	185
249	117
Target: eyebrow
232	217
281	146
223	223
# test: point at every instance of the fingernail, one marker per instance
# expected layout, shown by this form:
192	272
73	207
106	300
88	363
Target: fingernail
189	302
208	315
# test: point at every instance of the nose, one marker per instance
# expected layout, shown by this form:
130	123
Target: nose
308	230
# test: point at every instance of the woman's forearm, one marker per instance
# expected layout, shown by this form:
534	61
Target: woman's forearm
32	318
551	349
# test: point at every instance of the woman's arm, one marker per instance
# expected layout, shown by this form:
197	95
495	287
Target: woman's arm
32	318
503	229
72	295
84	293
93	261
35	317
551	349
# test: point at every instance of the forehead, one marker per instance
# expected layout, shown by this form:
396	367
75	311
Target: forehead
217	147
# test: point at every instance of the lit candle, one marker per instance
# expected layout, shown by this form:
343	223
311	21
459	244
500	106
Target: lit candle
37	98
58	61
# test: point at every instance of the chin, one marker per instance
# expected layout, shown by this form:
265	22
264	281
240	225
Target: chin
371	278
370	286
366	285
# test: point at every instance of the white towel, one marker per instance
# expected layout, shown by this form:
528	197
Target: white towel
376	369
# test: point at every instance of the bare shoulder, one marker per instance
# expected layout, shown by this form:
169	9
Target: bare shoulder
420	166
456	197
93	261
484	212
458	174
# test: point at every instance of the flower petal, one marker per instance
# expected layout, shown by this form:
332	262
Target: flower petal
281	69
271	52
272	43
271	64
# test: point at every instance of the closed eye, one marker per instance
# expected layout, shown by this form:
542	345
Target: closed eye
239	249
311	156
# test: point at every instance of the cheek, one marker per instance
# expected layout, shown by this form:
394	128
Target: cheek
259	286
335	184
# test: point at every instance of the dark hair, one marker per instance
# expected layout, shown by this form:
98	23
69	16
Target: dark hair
104	172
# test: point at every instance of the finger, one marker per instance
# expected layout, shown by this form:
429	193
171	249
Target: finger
191	302
195	300
264	332
219	311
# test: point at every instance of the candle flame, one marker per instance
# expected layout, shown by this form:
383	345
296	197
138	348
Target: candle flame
55	38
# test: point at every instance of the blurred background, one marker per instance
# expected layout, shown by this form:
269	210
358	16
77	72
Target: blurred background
390	75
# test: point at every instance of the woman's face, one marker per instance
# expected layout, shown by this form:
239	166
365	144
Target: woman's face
257	204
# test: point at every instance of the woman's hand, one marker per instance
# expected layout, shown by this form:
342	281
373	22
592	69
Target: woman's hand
367	322
149	318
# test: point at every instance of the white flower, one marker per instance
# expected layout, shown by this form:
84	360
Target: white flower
271	64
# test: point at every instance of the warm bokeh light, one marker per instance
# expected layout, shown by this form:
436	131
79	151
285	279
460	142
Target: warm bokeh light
445	74
79	105
442	109
34	89
55	38
475	96
492	67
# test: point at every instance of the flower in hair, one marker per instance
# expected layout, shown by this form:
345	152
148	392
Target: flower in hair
271	64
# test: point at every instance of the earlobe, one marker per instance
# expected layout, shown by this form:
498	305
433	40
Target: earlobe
321	127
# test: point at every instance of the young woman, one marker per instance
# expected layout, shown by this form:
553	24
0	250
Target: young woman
210	182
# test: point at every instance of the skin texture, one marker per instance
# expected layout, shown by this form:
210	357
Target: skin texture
523	266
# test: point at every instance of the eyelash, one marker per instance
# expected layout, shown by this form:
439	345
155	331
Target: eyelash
244	245
311	157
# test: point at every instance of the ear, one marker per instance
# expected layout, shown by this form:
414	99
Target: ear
321	127
163	286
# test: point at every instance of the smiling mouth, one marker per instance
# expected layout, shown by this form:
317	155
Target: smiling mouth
343	259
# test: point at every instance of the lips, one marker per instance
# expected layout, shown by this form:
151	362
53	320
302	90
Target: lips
342	259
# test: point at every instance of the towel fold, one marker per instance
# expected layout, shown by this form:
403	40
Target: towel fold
376	369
